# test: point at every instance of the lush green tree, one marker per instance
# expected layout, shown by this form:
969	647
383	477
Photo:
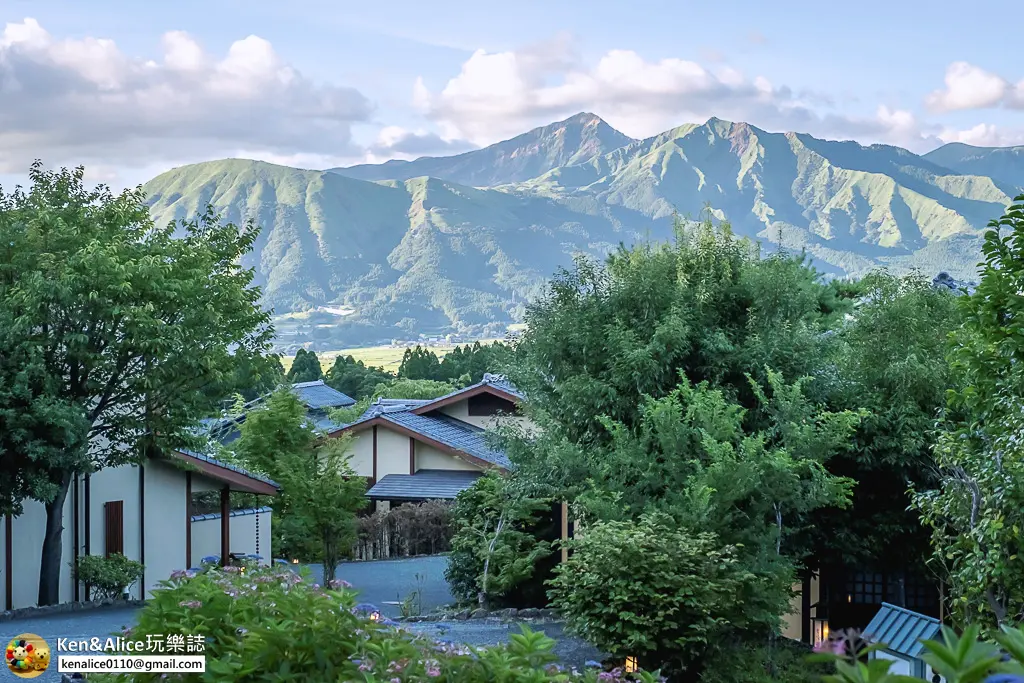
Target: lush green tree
305	368
473	361
493	549
314	512
354	378
419	363
128	325
976	512
891	358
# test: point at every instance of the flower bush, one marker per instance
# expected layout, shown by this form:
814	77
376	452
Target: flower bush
272	625
957	659
108	577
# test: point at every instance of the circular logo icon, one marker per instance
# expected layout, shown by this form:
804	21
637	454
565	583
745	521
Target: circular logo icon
28	656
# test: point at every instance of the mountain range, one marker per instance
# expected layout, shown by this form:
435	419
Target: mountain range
459	244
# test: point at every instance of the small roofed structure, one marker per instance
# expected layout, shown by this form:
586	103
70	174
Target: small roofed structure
318	397
902	632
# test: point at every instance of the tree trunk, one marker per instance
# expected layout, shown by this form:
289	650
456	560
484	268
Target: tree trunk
49	561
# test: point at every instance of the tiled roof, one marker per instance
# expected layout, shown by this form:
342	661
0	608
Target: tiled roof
424	485
901	630
233	513
317	395
228	466
453	433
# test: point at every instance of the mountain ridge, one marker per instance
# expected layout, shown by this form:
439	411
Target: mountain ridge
423	253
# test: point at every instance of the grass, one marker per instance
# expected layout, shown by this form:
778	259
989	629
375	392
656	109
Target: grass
387	357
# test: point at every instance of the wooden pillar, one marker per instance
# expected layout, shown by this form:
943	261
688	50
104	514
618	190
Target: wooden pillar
188	520
142	531
412	455
374	454
225	526
76	521
8	562
88	523
565	530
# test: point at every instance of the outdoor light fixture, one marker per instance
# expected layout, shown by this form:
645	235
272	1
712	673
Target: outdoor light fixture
295	561
375	616
819	627
631	666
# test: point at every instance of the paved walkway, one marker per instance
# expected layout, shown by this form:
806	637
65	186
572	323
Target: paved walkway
378	582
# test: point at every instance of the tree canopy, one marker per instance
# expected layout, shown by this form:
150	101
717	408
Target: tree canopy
124	327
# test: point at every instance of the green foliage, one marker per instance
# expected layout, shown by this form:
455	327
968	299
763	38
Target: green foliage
353	378
660	592
964	658
125	326
493	549
250	625
891	364
108	577
314	512
976	513
305	368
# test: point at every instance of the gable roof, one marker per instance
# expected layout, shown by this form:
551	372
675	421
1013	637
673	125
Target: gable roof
318	396
496	385
235	477
901	630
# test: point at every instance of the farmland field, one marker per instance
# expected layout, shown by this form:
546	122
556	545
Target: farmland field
387	357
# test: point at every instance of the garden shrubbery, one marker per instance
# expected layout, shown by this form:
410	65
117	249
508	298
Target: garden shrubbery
269	625
108	577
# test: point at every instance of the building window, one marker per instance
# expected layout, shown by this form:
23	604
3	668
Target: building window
113	527
487	405
865	589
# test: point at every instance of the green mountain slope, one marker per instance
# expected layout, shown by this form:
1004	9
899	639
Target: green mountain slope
576	139
355	261
398	256
1005	164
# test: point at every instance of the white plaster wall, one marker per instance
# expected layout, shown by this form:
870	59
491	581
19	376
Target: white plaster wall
792	623
901	666
166	522
361	450
27	535
392	453
243	537
117	483
430	458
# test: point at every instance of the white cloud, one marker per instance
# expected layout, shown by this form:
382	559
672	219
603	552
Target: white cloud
497	95
77	101
395	142
984	135
970	87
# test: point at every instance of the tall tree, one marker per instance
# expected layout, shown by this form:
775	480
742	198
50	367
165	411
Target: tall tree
305	368
131	324
354	378
976	512
419	363
314	513
892	361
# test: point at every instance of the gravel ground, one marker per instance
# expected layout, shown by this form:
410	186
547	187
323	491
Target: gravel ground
378	583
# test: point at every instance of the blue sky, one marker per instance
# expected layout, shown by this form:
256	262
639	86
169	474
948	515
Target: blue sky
328	83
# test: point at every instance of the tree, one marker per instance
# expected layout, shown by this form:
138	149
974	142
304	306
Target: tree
305	368
314	511
976	512
473	361
892	365
130	324
493	551
353	378
419	363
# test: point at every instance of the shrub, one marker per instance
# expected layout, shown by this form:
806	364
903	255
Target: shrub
270	626
108	577
783	661
652	590
408	529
